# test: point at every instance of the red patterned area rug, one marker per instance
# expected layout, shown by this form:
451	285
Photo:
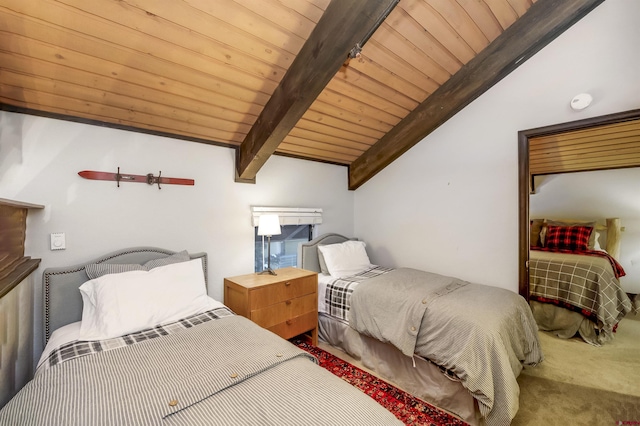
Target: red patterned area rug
411	410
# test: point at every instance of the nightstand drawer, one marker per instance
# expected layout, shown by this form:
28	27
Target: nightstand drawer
286	303
280	312
286	290
295	326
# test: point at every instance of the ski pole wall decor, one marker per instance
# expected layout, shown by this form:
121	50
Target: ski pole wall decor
148	178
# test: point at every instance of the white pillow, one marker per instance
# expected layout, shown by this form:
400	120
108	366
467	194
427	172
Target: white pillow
345	259
596	245
118	304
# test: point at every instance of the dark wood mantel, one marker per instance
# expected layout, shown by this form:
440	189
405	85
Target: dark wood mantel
14	265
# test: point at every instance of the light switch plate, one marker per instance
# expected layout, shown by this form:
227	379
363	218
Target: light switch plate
58	241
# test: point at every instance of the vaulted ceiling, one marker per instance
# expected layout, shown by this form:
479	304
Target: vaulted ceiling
350	82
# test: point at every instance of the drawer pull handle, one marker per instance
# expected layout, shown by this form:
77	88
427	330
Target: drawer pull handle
287	283
288	302
289	322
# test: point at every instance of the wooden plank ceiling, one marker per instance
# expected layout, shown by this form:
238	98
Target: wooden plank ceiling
206	70
610	146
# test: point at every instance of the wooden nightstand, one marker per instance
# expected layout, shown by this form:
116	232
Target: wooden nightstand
286	304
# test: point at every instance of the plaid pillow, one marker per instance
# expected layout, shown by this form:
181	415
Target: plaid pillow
574	238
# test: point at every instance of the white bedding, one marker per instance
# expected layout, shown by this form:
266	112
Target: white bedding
323	280
63	335
71	332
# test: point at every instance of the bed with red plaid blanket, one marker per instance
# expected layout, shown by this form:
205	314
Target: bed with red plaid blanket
587	281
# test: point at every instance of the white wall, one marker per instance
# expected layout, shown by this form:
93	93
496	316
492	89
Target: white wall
40	159
596	196
450	204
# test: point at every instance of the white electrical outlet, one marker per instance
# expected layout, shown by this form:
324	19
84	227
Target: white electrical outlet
58	241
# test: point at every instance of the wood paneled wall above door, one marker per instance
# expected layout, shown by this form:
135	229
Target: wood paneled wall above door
610	146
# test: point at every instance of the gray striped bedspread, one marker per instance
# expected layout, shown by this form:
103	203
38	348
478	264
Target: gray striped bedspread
481	333
223	372
586	282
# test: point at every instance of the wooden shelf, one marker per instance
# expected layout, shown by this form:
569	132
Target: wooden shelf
14	265
20	204
15	275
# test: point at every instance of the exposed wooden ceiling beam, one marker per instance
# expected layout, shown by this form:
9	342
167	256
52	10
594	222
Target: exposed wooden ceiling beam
343	24
542	23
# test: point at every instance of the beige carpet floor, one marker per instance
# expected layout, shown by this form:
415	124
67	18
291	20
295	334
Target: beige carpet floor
614	366
580	384
577	384
552	403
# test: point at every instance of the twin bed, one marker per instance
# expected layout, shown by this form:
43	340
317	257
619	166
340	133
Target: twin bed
203	365
574	285
111	357
455	344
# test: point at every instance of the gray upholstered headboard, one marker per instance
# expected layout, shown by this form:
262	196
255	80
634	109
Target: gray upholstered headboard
62	300
308	252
